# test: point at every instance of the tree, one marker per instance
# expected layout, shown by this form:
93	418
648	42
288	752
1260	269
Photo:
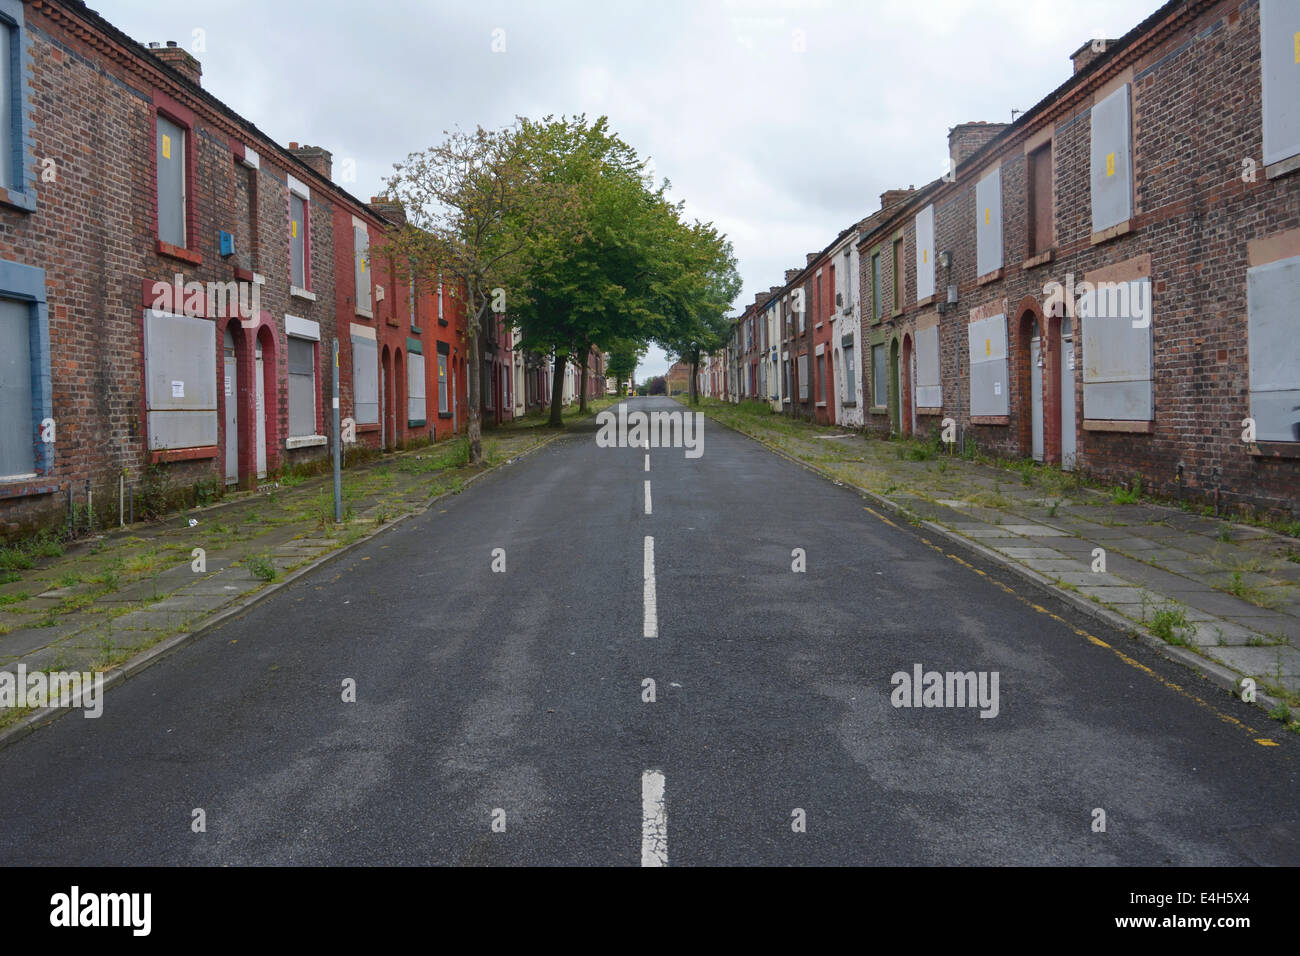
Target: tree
624	355
591	282
695	304
473	203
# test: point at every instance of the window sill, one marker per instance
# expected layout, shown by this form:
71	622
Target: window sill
163	455
1119	229
929	410
392	322
1274	449
446	415
442	322
176	252
365	313
416	331
849	404
23	486
1106	425
306	441
928	300
821	404
1282	167
22	200
988	277
1042	259
879	410
298	293
416	422
368	427
990	419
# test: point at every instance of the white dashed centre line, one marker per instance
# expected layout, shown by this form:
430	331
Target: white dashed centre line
647	497
647	462
654	820
651	627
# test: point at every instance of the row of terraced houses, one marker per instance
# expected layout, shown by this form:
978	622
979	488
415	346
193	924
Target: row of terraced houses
172	281
1109	283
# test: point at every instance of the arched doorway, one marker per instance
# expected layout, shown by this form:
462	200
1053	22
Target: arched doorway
895	404
264	388
908	387
234	386
385	402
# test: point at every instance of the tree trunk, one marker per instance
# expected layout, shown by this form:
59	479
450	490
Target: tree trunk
693	391
582	407
475	368
557	392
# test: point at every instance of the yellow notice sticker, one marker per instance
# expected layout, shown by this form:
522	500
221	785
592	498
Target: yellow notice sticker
1110	164
925	255
167	146
293	228
986	216
988	346
1296	38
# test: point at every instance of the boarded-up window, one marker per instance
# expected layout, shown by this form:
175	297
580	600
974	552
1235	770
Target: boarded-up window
298	240
415	411
1279	42
302	387
1112	170
1040	200
876	293
924	224
1272	292
821	379
897	266
988	366
879	386
803	378
171	147
8	129
442	383
1115	320
850	369
988	223
361	266
365	380
17	421
929	392
180	380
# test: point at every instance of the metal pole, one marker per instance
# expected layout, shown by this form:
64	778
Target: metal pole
338	444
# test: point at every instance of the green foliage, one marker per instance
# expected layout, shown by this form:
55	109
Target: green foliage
261	566
1124	496
1170	625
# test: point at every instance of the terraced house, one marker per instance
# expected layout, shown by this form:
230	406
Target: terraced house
172	280
1109	282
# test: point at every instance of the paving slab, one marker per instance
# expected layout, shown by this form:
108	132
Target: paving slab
1035	530
1021	554
1119	595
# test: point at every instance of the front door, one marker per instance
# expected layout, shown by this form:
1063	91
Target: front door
259	415
232	411
1036	393
1069	448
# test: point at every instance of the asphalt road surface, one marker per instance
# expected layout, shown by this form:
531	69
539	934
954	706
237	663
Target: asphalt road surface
500	717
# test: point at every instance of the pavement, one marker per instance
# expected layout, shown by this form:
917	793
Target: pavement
107	603
475	686
1221	595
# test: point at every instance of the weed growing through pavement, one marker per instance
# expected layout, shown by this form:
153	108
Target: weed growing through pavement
260	566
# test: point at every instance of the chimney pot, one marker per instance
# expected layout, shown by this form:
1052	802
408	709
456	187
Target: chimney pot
178	59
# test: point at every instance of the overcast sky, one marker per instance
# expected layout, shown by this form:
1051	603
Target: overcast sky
781	121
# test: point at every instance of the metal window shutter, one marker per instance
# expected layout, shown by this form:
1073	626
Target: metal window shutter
302	388
1117	356
924	228
17	424
988	223
8	167
1274	343
361	246
180	380
929	393
365	381
989	387
879	386
442	382
415	387
170	147
1279	43
297	240
1111	159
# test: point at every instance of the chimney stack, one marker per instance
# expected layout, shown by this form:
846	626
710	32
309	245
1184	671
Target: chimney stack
317	157
965	139
178	59
1089	52
385	208
892	197
790	274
